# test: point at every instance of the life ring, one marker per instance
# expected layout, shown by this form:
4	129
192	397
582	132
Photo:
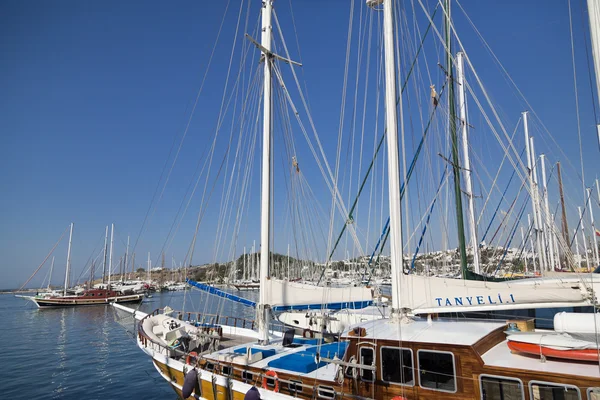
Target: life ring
271	374
308	334
188	359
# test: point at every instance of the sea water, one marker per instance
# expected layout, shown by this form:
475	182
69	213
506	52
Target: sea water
83	353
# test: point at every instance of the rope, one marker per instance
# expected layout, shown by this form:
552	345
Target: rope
350	213
45	259
412	264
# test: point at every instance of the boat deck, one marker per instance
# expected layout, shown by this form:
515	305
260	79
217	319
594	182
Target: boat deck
436	331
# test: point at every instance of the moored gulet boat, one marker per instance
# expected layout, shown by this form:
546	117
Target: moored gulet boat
398	356
88	297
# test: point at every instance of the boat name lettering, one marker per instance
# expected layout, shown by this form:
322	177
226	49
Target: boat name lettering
474	300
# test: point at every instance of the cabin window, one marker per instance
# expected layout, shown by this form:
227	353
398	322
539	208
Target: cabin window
295	387
325	392
247	376
500	388
593	393
397	365
210	367
552	391
226	370
367	354
436	370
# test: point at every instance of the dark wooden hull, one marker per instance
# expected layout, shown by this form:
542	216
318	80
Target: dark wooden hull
65	302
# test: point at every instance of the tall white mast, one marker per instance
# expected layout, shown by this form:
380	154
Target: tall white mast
112	241
265	198
548	221
126	258
391	123
532	190
532	248
462	107
68	269
589	195
594	14
51	268
105	255
577	248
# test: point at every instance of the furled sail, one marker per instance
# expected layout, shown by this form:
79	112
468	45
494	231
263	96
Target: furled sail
433	295
285	295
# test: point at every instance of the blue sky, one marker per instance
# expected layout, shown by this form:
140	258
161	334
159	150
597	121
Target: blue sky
95	93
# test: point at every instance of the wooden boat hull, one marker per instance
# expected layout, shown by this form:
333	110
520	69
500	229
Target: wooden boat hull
58	302
570	354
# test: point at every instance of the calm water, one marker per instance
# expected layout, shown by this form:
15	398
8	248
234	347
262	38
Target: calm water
84	352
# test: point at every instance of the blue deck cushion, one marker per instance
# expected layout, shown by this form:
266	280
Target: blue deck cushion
253	350
329	350
304	361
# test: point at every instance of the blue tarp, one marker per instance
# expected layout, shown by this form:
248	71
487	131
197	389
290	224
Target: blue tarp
221	293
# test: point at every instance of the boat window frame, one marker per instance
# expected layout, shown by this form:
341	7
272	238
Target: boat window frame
532	382
453	370
245	377
297	386
500	377
360	361
329	390
229	368
412	366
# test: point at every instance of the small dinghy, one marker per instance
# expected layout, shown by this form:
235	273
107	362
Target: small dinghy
553	345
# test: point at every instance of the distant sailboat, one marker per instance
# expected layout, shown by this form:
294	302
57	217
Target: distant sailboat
89	297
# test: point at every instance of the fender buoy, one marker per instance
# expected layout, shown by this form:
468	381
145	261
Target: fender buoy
271	374
307	333
188	359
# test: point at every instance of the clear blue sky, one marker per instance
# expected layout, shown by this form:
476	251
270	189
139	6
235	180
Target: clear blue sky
94	93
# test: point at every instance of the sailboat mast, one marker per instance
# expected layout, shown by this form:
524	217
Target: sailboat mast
547	215
105	254
565	226
51	269
265	206
532	190
391	122
585	248
112	236
594	13
538	209
68	261
126	258
589	195
460	224
462	107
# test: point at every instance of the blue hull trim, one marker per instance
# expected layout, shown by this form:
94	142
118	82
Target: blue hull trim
330	306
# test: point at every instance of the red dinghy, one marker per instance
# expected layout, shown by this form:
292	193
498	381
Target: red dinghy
567	354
